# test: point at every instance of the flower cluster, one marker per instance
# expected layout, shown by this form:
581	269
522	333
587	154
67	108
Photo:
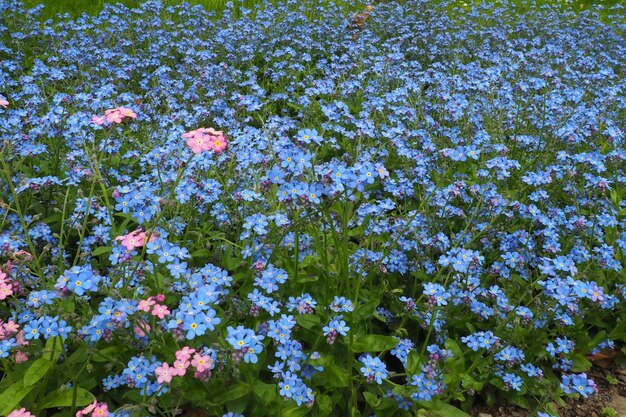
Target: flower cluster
114	116
373	369
578	384
94	409
204	139
6	287
202	361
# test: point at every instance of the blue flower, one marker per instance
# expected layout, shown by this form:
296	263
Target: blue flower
578	384
373	368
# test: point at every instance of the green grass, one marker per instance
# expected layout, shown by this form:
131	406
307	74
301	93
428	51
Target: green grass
76	8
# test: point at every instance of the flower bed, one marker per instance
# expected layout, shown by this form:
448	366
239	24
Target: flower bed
302	212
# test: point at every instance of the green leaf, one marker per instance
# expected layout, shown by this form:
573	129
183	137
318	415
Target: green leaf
202	253
457	361
304	277
372	400
69	305
309	260
265	392
12	396
373	343
596	340
239	405
53	348
619	332
335	376
413	362
231	262
238	391
551	409
616	198
101	250
612	380
358	231
54	218
581	363
324	405
308	321
296	411
37	371
107	354
490	396
517	398
448	410
366	310
471	383
127	219
380	404
134	396
64	398
79	356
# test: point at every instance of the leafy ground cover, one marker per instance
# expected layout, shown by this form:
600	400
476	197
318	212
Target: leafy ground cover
301	211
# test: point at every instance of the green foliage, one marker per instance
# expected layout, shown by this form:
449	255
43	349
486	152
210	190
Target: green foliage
40	381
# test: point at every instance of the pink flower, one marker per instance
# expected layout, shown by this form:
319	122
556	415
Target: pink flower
198	143
160	311
87	409
185	353
180	367
218	143
20	357
141	330
164	373
5	290
3	103
203	139
202	363
144	305
101	410
99	120
135	239
126	112
23	255
190	134
113	116
21	339
11	327
20	413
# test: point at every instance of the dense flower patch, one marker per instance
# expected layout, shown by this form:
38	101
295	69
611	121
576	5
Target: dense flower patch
291	213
